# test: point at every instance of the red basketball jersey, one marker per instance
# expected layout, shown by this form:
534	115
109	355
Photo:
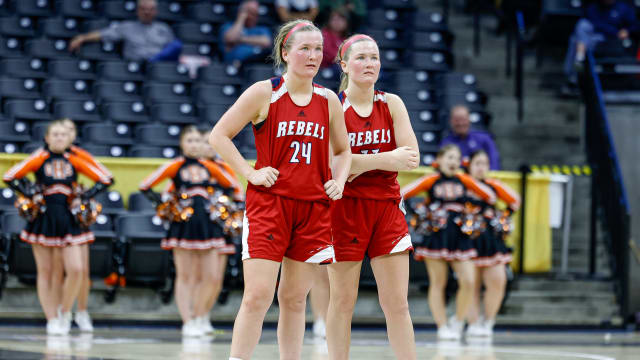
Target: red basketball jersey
371	135
295	140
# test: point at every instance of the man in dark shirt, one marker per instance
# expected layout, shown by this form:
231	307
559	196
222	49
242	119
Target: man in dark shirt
467	140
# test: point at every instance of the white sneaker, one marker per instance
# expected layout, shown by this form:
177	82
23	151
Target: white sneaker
319	328
192	329
64	321
477	329
205	324
83	320
488	327
53	327
446	333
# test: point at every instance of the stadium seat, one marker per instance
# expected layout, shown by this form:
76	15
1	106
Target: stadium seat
101	250
388	38
35	8
23	68
412	79
100	51
71	69
469	98
78	8
78	111
39	130
107	134
19	88
392	58
118	9
428	138
112	91
121	71
193	32
153	151
66	90
146	264
207	12
31	110
433	40
10	47
21	261
23	27
413	97
203	49
426	115
254	73
32	146
158	135
215	94
10	147
7	200
14	132
174	113
166	93
422	20
104	150
432	61
60	28
111	201
210	114
172	11
398	4
139	203
48	49
222	74
92	25
168	72
456	81
386	19
126	112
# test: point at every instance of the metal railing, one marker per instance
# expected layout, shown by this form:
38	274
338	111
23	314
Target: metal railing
608	195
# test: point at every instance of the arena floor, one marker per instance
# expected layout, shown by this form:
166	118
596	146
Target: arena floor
30	343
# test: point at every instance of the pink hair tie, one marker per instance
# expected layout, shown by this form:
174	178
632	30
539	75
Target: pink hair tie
294	29
353	39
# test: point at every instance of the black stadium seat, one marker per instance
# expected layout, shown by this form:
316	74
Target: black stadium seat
422	20
36	8
158	135
30	147
172	11
165	92
71	69
10	47
121	71
48	48
107	134
13	132
118	9
386	19
101	250
194	32
210	114
215	94
78	111
139	203
208	12
167	152
103	150
21	261
31	110
112	203
203	49
168	72
23	68
60	28
7	199
110	91
220	74
66	89
17	26
432	40
10	147
19	88
174	113
100	51
432	61
126	112
97	24
39	130
78	8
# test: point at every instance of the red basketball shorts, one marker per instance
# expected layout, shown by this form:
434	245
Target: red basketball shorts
374	227
276	226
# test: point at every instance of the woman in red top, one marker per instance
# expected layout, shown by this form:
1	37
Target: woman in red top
334	33
55	234
370	216
287	217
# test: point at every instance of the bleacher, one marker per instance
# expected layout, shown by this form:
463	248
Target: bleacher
132	109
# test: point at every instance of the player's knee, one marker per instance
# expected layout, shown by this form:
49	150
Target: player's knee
466	281
291	300
75	270
344	301
257	299
394	304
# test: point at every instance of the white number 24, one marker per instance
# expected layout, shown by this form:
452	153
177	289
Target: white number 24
303	148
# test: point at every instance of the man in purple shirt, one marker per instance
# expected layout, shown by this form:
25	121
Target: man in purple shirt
469	141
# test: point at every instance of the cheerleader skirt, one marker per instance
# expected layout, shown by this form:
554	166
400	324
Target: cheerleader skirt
491	250
56	227
197	233
448	244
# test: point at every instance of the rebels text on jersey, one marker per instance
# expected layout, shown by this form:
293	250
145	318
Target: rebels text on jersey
295	140
371	135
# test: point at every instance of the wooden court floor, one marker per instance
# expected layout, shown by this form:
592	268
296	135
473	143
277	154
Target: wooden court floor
30	343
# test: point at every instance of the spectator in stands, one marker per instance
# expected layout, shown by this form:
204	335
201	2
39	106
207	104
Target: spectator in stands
144	39
469	141
244	40
355	10
604	20
334	33
289	10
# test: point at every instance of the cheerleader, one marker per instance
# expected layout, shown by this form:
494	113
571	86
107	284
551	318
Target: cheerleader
229	249
448	245
493	254
369	220
298	126
196	238
55	233
81	317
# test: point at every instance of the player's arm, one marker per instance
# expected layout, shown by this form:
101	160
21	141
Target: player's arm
505	193
422	184
339	140
404	157
479	188
251	107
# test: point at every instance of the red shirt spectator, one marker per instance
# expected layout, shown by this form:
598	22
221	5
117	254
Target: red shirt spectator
334	33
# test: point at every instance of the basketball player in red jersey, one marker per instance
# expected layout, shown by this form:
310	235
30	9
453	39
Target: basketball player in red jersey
370	216
287	218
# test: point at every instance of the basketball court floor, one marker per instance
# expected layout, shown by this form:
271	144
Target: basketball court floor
30	343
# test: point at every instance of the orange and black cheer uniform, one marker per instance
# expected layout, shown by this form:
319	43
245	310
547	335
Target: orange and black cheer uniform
449	194
55	177
192	176
490	245
86	156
